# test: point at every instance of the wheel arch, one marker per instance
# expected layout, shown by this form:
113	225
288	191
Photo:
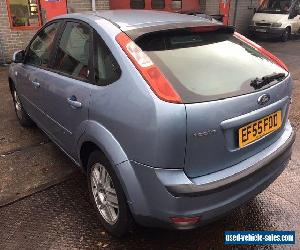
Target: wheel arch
97	137
86	149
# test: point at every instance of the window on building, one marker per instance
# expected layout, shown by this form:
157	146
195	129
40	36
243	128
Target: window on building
73	52
137	4
23	13
176	4
106	67
158	4
39	51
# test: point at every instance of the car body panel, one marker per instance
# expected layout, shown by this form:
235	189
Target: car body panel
93	132
151	131
30	95
134	19
201	151
62	120
147	181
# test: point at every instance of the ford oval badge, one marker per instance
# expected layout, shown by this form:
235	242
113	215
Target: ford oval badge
263	99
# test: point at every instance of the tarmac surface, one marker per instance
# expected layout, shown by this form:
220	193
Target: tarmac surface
44	202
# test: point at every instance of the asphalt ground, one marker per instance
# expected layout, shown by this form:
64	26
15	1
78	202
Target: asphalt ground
28	160
44	201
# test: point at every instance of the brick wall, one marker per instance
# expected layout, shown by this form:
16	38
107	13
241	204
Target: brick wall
86	5
12	40
102	4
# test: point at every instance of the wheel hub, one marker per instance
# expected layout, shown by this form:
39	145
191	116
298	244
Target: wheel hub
104	194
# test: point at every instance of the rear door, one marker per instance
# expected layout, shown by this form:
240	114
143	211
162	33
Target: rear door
66	88
213	72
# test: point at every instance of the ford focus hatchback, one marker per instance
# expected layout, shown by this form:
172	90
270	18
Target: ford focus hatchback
175	119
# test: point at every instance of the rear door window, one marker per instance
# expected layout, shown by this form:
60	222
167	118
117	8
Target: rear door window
205	66
73	51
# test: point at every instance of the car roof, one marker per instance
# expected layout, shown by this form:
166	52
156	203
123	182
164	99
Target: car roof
136	23
134	19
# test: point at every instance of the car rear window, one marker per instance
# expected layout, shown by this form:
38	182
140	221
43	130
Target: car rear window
206	66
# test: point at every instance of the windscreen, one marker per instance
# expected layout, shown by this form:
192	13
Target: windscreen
275	6
205	66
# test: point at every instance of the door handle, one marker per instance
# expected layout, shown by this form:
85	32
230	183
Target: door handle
36	84
74	103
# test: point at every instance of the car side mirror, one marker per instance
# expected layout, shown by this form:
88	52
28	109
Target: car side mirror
18	56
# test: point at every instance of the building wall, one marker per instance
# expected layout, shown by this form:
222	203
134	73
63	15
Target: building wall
212	7
12	40
86	5
244	13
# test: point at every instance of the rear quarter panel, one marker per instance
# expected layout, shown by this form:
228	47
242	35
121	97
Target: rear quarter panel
146	129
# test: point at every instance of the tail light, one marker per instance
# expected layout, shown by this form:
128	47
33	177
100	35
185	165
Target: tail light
150	72
261	50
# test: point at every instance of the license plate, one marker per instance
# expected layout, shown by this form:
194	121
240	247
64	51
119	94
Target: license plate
261	30
257	129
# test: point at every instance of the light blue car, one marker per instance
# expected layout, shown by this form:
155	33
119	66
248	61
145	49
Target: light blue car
175	119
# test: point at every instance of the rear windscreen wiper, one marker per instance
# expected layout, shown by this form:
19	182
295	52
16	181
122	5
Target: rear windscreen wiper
258	83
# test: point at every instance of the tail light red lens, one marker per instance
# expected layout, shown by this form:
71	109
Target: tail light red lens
261	50
150	72
185	221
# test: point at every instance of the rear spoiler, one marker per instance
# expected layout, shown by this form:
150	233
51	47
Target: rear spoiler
138	33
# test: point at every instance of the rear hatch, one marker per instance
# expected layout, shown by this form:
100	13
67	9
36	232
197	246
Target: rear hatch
236	99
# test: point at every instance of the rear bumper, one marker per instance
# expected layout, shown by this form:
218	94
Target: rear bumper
268	31
156	195
222	179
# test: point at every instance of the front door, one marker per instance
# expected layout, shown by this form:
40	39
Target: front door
66	89
36	60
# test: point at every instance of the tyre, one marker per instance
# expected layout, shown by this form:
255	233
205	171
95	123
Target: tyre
286	35
22	116
108	196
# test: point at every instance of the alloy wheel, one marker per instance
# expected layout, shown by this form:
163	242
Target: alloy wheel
104	194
